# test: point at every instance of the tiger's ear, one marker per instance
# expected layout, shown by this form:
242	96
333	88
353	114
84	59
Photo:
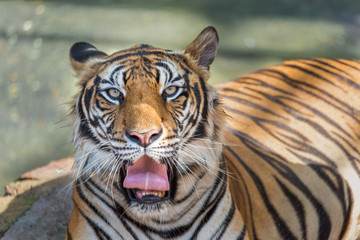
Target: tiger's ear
203	49
83	54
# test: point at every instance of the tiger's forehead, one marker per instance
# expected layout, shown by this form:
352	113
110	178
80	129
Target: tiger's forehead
143	63
138	51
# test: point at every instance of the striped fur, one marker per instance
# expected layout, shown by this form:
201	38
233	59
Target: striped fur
293	146
270	155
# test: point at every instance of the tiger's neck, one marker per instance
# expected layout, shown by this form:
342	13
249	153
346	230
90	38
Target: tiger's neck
208	213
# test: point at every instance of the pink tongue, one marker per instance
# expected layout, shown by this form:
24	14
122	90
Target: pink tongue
146	174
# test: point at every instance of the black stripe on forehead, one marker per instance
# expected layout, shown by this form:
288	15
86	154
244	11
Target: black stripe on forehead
116	70
166	68
137	53
157	76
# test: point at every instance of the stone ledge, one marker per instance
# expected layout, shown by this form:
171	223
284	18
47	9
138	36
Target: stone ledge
41	196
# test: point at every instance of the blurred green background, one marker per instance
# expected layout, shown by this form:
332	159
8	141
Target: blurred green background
37	82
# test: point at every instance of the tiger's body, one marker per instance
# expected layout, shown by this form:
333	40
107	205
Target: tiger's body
293	145
162	155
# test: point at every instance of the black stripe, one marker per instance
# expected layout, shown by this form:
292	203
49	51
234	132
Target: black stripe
87	95
303	144
68	235
169	234
142	53
348	65
214	203
314	110
297	85
126	76
279	164
84	129
297	205
114	72
320	171
166	67
79	190
348	215
353	148
259	82
242	234
337	189
117	209
98	231
224	224
323	132
279	223
348	81
251	104
157	76
200	131
320	60
121	213
178	231
178	78
248	200
193	189
237	92
260	121
309	72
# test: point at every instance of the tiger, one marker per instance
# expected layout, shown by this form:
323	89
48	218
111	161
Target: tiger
162	154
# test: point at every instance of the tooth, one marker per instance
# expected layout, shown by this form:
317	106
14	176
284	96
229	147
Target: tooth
140	194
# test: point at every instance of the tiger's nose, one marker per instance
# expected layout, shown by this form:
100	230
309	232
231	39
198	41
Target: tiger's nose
143	139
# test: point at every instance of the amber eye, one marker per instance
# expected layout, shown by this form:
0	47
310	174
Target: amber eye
113	92
113	95
170	92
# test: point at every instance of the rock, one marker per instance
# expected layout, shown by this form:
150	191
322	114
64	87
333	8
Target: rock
47	218
53	169
39	204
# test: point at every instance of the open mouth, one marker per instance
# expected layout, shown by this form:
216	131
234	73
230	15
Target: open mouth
147	181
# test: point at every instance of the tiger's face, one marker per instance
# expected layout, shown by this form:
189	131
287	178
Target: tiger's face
146	123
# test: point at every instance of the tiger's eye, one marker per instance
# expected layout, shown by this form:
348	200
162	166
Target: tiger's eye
170	90
114	92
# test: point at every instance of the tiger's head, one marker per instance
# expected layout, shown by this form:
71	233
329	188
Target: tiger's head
146	123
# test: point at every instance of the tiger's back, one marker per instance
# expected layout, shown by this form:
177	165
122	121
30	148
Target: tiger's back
292	137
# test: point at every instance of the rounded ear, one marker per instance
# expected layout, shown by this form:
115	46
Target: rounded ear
81	53
203	49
